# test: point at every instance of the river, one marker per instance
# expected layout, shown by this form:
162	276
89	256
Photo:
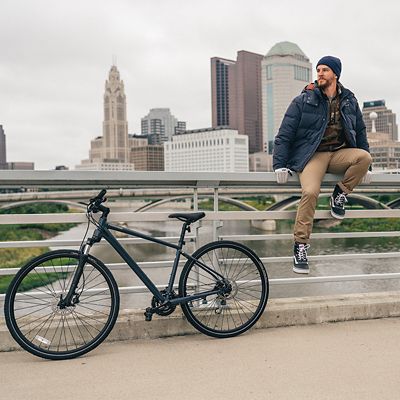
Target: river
276	248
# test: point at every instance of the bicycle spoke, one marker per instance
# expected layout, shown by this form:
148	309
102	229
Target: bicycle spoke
45	325
242	294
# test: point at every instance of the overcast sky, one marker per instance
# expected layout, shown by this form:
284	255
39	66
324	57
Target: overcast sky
56	55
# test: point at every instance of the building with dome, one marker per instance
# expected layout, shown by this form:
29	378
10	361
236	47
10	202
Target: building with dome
286	70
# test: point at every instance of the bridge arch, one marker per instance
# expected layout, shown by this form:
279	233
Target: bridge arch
394	203
355	198
235	202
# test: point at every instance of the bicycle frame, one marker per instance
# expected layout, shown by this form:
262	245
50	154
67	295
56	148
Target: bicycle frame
104	231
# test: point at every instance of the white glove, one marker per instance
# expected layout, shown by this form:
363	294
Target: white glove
367	178
282	174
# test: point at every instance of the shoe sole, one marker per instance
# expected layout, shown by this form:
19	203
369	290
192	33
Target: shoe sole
301	270
337	216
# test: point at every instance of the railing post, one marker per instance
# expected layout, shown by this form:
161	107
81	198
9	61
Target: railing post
216	224
197	225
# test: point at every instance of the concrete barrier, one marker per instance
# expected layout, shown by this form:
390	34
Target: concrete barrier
279	313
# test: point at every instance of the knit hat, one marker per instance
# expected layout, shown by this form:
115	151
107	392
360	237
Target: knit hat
333	63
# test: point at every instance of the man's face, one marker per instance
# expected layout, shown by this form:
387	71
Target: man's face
325	76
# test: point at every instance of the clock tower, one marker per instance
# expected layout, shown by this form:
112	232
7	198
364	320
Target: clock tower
115	125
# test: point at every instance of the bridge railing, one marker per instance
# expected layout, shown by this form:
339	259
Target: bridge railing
67	185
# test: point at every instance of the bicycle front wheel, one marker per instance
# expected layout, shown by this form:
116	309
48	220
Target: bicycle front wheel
236	267
37	322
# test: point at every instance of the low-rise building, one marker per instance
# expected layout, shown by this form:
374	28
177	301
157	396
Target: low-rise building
148	158
260	162
21	165
211	149
384	151
113	165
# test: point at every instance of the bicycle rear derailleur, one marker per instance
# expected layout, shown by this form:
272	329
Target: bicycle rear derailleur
159	308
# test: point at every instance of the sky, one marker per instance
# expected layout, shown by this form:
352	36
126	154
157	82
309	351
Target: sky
56	55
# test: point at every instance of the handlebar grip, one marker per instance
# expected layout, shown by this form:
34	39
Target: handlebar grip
101	194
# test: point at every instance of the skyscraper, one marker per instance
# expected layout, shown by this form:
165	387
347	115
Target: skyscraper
111	151
21	165
286	70
3	152
115	125
385	121
160	125
223	92
236	96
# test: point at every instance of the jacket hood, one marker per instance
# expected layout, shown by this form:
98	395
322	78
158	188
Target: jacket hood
313	86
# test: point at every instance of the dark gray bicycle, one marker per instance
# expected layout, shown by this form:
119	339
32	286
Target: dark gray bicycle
64	303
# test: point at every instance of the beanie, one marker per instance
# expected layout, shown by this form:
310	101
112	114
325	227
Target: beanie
333	63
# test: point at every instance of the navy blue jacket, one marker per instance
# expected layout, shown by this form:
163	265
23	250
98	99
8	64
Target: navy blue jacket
305	122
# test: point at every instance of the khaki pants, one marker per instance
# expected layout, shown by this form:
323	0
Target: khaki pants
351	162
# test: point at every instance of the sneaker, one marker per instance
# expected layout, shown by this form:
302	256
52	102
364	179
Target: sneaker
300	262
337	202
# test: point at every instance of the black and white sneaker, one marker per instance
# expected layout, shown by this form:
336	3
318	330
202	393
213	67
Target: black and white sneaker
300	261
337	202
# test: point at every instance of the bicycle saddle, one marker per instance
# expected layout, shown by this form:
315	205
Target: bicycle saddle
188	217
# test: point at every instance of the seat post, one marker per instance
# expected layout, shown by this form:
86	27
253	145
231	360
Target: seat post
182	237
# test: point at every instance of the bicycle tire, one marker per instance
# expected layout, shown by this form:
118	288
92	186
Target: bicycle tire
38	324
234	313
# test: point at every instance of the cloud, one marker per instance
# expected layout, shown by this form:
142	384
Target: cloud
56	57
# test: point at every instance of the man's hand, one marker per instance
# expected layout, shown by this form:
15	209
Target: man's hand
282	174
367	178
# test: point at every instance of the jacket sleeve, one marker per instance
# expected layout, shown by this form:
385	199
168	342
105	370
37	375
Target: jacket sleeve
286	133
361	131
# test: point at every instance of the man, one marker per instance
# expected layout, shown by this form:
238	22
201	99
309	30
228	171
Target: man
322	131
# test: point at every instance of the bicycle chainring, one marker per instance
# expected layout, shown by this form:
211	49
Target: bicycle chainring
163	309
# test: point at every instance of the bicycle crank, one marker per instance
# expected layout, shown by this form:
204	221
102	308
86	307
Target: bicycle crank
165	308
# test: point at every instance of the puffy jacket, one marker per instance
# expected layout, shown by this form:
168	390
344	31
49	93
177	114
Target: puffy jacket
305	122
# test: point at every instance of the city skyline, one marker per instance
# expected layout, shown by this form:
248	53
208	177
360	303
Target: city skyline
54	63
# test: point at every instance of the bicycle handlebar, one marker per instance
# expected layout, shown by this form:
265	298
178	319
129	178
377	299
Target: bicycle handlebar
100	196
95	203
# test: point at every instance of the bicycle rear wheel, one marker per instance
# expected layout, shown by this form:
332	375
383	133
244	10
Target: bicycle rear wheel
37	322
239	269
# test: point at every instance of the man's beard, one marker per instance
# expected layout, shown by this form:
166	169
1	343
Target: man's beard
325	84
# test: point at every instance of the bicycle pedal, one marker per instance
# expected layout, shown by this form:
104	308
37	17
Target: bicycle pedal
148	314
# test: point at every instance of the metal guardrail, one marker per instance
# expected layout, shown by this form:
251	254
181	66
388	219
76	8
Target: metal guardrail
137	182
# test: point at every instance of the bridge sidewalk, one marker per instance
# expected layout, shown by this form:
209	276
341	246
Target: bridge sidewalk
347	360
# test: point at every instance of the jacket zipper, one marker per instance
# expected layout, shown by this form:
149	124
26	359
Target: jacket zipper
345	125
319	141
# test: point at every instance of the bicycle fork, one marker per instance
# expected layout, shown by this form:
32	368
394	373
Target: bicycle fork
72	297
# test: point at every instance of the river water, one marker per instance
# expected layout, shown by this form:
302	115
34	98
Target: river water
276	248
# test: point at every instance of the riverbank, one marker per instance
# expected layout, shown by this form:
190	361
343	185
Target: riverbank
16	258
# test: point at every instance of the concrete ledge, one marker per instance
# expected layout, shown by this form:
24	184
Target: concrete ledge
279	313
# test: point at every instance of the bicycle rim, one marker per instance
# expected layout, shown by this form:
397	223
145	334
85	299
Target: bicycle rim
41	326
235	312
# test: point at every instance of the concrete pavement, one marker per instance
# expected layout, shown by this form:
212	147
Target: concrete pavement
347	360
279	312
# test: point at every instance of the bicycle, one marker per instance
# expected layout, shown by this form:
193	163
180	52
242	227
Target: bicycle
64	303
